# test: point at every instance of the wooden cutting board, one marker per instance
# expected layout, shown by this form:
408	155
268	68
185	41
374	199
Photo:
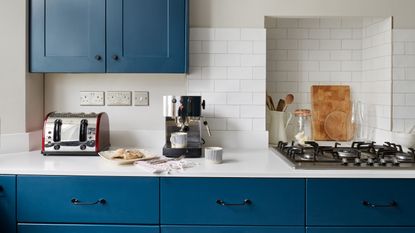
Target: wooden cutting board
326	100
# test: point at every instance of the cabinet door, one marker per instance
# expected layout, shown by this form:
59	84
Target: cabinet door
67	36
85	228
71	199
7	204
230	229
361	230
232	201
147	36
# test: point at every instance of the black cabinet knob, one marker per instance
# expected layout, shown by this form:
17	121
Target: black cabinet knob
115	57
98	58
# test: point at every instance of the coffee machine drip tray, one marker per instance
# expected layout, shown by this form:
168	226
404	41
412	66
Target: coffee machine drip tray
191	151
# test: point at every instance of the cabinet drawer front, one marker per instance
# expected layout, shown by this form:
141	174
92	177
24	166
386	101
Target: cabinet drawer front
209	201
360	202
7	204
229	229
361	230
78	228
50	199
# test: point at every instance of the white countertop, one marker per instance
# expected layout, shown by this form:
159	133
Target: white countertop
246	163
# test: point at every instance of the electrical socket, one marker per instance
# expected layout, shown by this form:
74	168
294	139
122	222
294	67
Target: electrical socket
91	98
119	98
141	98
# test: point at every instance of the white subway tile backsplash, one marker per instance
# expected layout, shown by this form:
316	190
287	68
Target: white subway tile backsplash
214	73
258	98
330	44
252	111
309	23
330	66
351	66
200	85
341	34
239	124
227	111
240	73
287	23
195	46
286	44
258	124
308	44
226	85
227	34
215	98
319	76
297	33
319	55
259	73
319	34
341	55
332	22
308	66
239	98
240	47
227	60
218	124
201	60
298	55
253	85
277	33
253	34
351	44
259	47
195	73
402	35
253	60
214	47
341	76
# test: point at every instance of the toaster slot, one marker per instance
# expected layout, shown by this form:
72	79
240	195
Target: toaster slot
57	130
83	130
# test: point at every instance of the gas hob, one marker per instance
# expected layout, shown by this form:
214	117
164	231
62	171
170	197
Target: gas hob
360	155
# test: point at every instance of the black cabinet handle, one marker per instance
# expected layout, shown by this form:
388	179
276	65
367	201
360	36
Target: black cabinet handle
1	189
98	58
115	57
373	205
223	203
78	202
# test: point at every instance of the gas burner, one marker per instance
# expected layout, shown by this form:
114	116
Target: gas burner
360	155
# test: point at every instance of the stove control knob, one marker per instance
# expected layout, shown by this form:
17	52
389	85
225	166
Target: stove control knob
357	161
344	162
56	147
395	162
382	162
370	162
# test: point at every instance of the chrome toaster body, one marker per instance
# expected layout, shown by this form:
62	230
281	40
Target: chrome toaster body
75	133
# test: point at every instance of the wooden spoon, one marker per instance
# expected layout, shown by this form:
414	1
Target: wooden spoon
289	99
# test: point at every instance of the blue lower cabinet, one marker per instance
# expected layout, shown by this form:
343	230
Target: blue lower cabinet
7	204
229	201
360	230
229	229
78	228
360	202
70	199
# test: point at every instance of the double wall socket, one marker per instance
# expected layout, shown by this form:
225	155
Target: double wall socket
119	98
92	98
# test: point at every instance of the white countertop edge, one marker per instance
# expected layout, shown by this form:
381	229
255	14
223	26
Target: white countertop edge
238	164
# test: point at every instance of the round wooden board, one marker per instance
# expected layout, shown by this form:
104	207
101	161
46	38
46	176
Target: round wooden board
338	126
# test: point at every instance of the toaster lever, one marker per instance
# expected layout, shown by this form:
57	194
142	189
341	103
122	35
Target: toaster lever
83	130
57	130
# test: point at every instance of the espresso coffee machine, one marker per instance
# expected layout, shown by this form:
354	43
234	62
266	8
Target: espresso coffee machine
183	114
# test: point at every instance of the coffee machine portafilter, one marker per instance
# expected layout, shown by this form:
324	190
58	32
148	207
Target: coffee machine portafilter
184	114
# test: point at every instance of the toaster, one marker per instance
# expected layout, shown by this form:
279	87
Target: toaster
75	133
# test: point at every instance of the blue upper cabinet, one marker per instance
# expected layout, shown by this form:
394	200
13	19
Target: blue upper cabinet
147	36
67	36
117	36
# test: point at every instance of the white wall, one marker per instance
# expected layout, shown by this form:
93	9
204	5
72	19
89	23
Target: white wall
250	13
21	95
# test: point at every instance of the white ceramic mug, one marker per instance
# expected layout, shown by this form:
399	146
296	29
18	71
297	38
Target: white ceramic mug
214	154
178	140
